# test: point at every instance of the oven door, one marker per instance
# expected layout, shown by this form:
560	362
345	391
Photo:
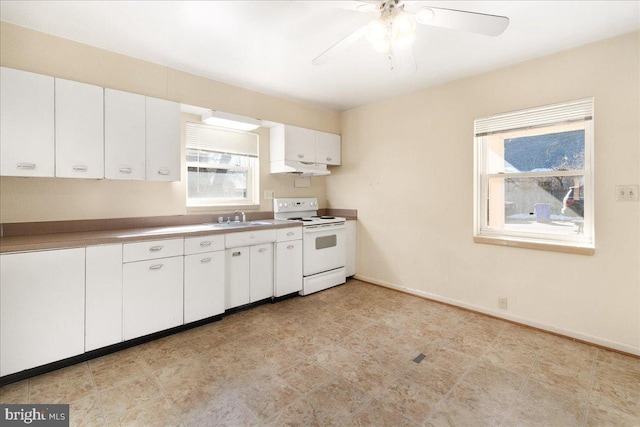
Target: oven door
324	248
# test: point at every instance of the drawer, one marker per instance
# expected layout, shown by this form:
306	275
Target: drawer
249	238
201	244
152	249
291	233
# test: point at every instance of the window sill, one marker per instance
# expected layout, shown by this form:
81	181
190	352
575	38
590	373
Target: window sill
222	208
543	246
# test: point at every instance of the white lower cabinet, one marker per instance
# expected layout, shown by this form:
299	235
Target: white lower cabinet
204	275
103	310
238	262
261	272
249	267
350	243
288	262
152	296
41	308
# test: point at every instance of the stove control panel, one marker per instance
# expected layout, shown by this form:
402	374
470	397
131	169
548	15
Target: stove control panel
295	205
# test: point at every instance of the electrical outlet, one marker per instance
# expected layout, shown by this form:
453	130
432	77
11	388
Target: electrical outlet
627	193
502	303
269	194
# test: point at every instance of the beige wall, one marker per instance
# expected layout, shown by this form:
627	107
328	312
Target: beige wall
408	169
42	199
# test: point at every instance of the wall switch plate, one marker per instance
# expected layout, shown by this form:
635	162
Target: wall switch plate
502	303
627	193
269	194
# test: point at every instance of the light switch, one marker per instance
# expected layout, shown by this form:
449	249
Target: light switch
627	193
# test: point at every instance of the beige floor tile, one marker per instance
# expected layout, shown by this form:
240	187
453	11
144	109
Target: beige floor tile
157	413
265	398
304	376
375	413
86	412
62	386
599	417
339	400
572	379
412	399
128	395
110	370
539	404
17	392
617	360
617	389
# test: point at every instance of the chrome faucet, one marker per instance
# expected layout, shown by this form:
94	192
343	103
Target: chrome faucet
236	218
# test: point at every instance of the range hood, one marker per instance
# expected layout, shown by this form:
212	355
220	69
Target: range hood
305	169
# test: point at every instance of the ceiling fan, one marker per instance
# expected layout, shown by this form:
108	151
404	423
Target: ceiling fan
393	32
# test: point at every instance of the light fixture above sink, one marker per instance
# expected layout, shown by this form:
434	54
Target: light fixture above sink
232	121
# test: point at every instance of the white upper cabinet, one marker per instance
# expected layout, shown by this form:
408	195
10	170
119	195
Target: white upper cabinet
327	148
26	123
79	119
292	143
124	135
162	140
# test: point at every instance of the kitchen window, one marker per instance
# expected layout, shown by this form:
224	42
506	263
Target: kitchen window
222	167
534	178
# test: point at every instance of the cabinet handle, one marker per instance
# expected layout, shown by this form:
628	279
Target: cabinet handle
290	247
80	169
301	156
164	172
205	260
291	233
127	171
205	244
262	250
26	166
156	267
329	159
236	254
155	248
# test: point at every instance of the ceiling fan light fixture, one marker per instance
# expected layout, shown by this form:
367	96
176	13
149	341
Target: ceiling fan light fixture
425	15
404	29
376	31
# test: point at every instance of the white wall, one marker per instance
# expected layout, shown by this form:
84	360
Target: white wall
408	169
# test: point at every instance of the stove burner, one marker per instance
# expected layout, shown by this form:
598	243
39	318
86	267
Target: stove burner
298	219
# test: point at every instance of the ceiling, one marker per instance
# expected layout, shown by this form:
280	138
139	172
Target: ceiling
268	46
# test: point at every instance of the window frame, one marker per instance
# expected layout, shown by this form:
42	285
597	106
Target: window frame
580	243
253	175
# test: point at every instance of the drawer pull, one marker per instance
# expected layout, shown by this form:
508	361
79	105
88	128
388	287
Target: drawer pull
291	233
205	260
253	236
262	250
205	244
156	267
80	168
329	159
164	172
126	171
155	248
26	166
236	254
301	156
290	247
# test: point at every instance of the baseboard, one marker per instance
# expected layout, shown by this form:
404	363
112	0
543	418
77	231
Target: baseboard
585	338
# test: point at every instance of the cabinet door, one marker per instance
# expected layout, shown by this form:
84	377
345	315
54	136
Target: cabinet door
327	148
299	144
27	128
203	285
350	244
237	277
103	311
261	272
79	130
162	140
288	267
152	296
41	308
124	135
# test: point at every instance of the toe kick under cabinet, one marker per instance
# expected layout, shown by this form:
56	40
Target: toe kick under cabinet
152	286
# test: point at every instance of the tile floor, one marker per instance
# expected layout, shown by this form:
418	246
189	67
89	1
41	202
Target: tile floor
344	357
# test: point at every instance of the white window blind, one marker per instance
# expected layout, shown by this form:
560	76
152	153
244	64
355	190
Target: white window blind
566	112
205	137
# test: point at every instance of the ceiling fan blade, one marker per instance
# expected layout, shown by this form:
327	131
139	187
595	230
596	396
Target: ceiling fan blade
490	25
339	47
357	5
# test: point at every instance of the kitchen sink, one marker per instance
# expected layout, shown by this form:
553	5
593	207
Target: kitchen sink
224	225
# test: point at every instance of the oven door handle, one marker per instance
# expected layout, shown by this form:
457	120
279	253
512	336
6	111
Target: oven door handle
322	228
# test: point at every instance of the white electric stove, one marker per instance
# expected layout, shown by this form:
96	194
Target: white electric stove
323	242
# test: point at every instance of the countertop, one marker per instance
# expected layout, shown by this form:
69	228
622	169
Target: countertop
33	242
